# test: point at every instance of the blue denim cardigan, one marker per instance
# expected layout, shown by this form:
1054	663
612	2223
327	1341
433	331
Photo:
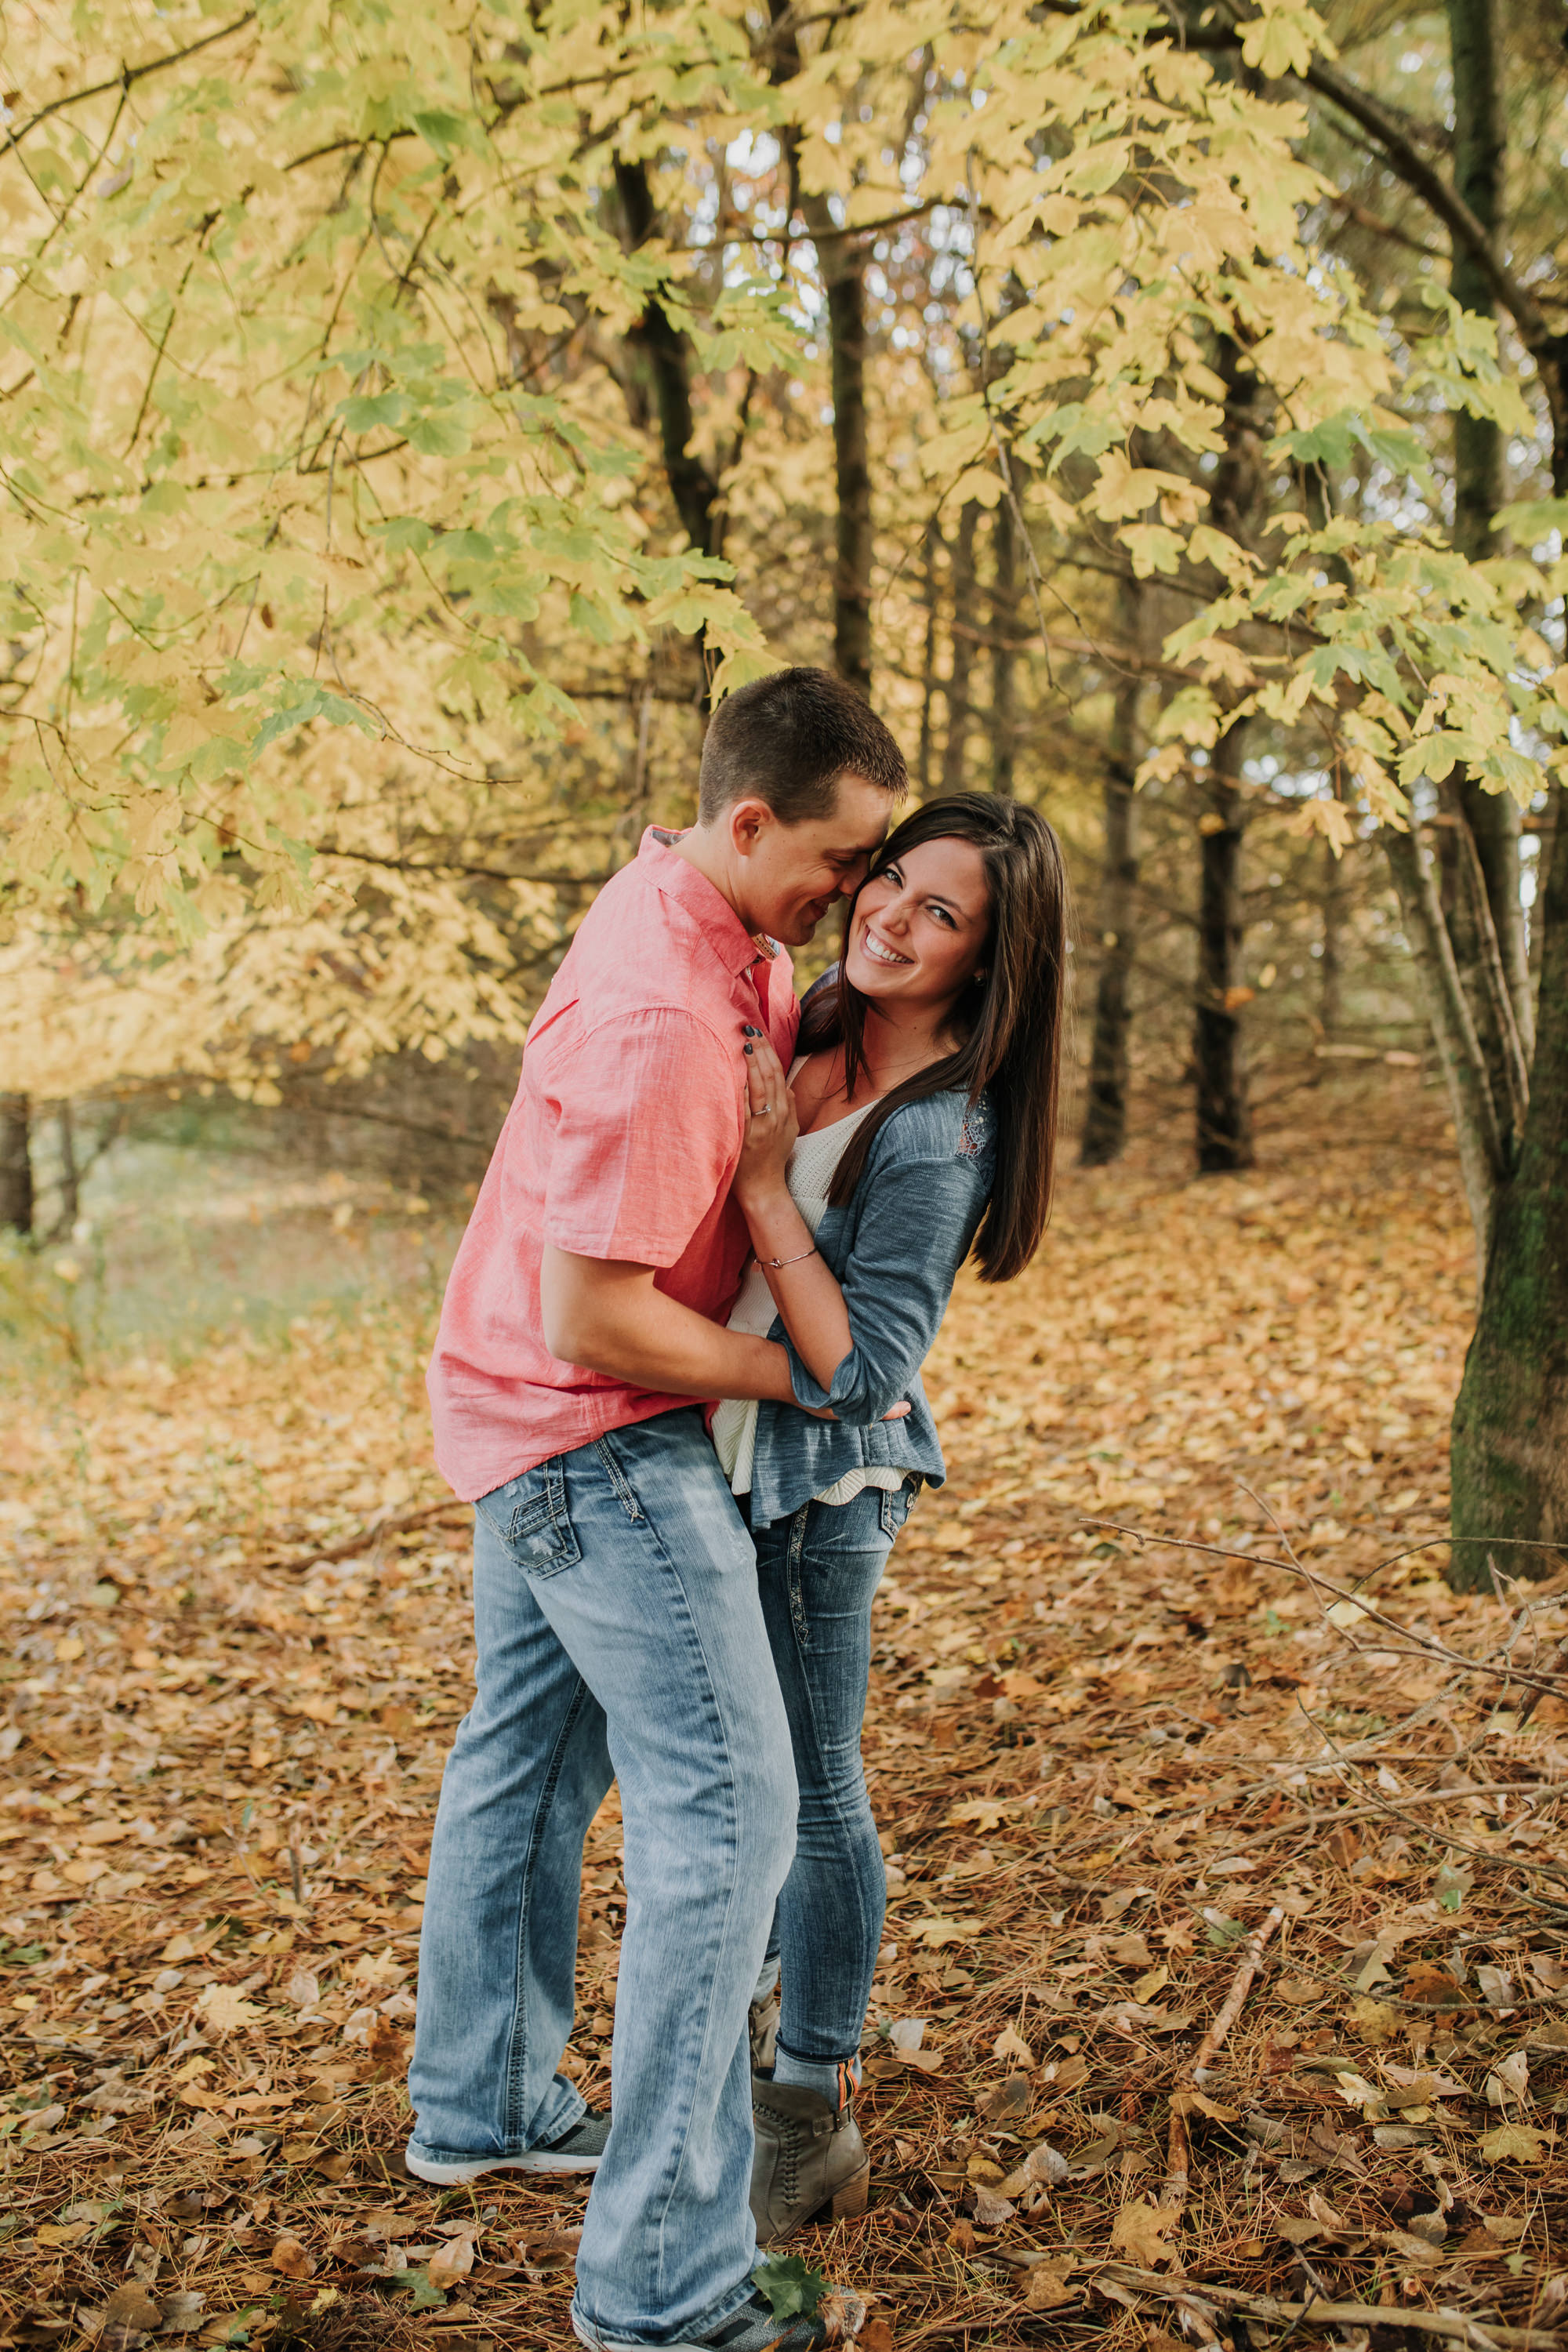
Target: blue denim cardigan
895	1248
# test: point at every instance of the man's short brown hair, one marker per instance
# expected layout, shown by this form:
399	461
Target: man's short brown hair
787	739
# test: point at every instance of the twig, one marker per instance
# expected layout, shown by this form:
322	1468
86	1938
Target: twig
1179	2159
1454	2325
1422	1643
375	1528
1560	1661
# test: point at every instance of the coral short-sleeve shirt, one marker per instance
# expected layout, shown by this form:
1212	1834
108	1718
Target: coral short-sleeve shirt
621	1143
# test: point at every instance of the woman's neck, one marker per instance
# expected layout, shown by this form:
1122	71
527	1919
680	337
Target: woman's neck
891	1053
894	1051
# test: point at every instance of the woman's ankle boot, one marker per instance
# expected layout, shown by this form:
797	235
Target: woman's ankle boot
809	2156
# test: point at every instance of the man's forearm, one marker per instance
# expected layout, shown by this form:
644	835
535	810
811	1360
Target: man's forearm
610	1318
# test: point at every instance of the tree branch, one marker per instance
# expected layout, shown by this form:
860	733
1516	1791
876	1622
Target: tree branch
1545	346
127	76
458	865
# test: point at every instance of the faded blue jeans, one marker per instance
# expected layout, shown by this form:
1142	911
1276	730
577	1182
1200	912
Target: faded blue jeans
819	1573
619	1633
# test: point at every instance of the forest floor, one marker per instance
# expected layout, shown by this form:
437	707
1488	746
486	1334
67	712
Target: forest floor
1167	1682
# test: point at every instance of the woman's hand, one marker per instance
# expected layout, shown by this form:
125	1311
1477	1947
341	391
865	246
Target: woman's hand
771	1128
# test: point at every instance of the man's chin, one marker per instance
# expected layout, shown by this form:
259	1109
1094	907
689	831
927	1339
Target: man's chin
800	930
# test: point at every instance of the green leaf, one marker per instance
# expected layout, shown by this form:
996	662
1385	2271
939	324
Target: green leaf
406	530
791	2286
308	701
446	133
1533	519
425	2297
437	437
363	416
466	546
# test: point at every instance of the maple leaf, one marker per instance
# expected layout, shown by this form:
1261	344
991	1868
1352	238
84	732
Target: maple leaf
1048	2287
791	2286
225	2010
426	2294
1512	2144
936	1931
1140	2230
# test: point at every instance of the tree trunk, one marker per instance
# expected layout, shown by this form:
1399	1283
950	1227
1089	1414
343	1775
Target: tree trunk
1550	817
1481	486
843	272
1510	1434
1223	1115
959	705
691	486
1480	1139
1330	973
16	1165
1509	1459
928	665
71	1175
1105	1114
1480	147
1004	629
842	262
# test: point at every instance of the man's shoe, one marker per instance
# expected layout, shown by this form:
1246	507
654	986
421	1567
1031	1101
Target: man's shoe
808	2157
754	2328
577	2150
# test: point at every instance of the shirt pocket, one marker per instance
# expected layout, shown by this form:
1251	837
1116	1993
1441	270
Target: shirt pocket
530	1516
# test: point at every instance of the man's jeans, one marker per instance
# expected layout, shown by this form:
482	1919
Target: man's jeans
619	1632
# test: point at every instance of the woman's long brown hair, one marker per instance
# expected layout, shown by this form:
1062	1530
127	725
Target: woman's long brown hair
1012	1020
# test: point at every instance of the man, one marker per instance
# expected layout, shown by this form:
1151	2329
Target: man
618	1627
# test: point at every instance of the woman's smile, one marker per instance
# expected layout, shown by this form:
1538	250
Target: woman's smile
879	950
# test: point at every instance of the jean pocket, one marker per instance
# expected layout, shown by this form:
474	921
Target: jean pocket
896	1504
531	1517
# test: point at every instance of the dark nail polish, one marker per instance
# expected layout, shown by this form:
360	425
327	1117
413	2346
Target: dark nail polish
745	1049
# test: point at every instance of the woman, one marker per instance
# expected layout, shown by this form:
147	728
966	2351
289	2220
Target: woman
918	1122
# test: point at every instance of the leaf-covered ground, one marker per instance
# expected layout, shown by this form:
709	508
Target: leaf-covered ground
1106	1768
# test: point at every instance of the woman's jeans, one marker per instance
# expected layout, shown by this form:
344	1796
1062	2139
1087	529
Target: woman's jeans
817	1573
618	1631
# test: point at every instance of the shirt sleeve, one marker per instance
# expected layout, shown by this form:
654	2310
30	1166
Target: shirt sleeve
914	1231
648	1134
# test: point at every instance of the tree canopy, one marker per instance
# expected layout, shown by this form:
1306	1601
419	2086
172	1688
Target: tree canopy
388	396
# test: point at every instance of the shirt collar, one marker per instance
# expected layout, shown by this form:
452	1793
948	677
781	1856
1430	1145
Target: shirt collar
735	946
